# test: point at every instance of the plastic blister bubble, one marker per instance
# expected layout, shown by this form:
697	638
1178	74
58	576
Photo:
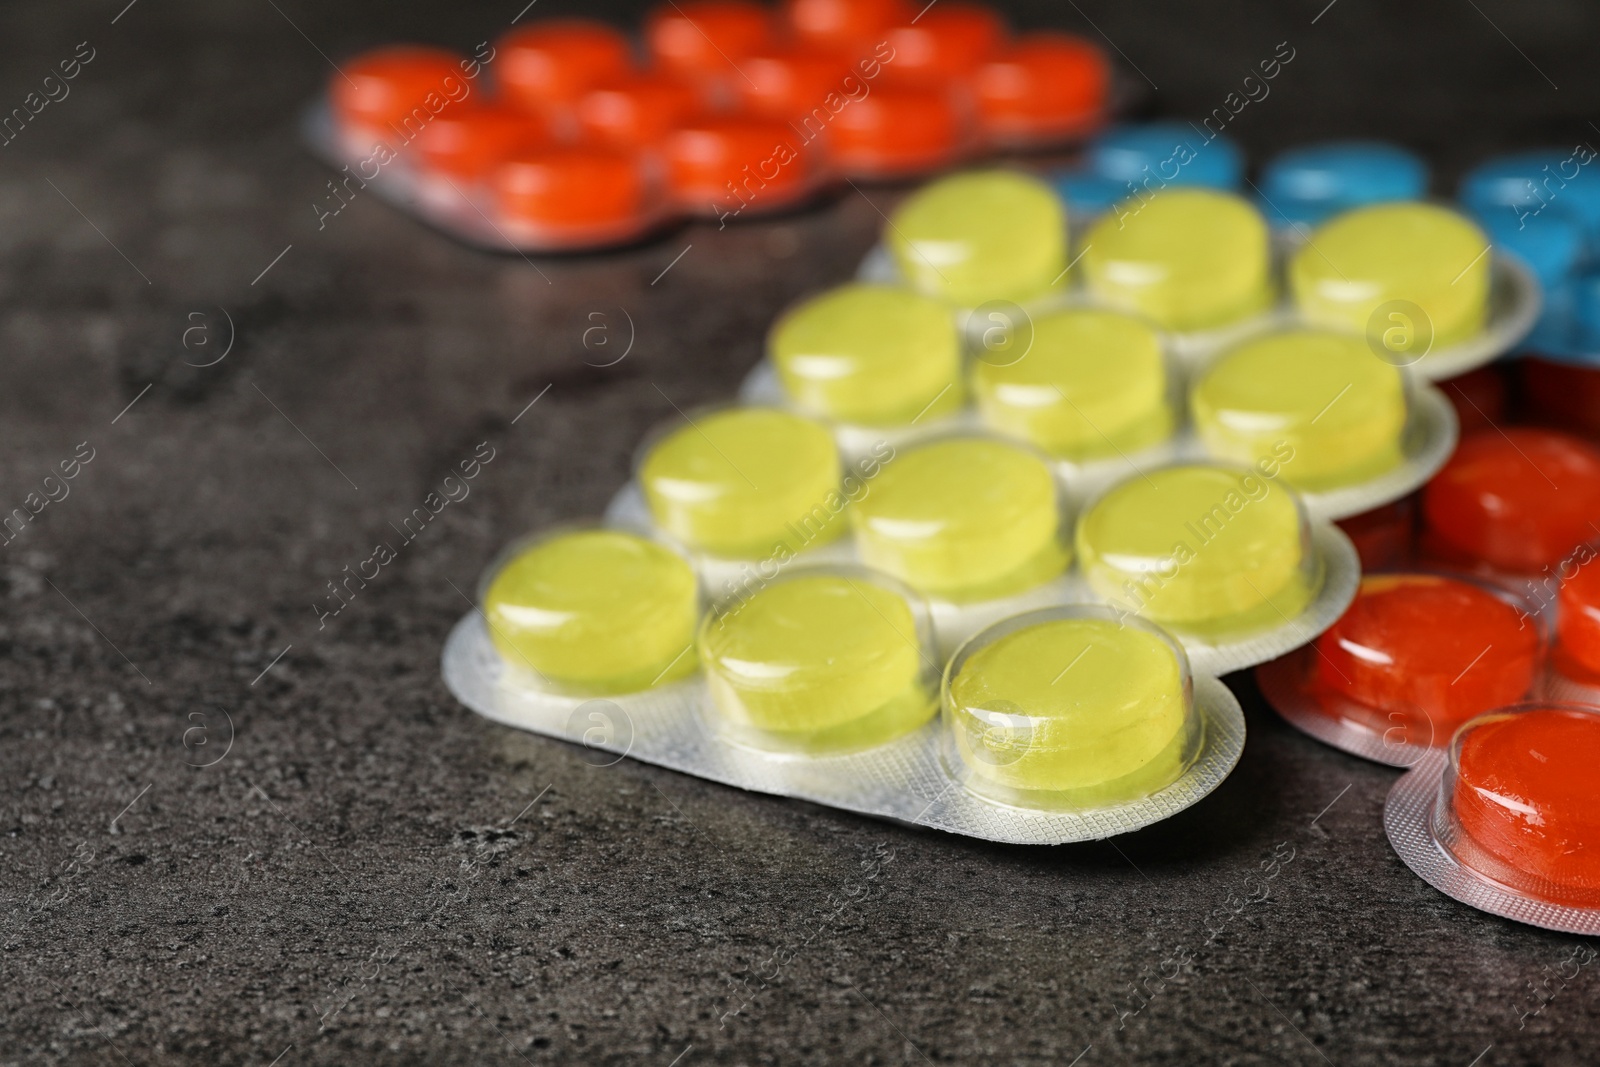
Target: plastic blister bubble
905	779
1360	432
1388	683
1504	820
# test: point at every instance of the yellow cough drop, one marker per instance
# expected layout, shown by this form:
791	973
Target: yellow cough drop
740	482
1091	709
1426	268
872	355
1207	550
963	518
817	661
1188	259
980	236
1341	409
597	611
1091	384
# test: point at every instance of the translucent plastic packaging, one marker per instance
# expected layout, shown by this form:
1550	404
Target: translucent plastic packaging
823	686
1504	819
1361	432
1414	657
784	497
1225	558
1200	264
1303	187
880	364
592	610
975	523
560	136
1098	391
1419	281
1103	395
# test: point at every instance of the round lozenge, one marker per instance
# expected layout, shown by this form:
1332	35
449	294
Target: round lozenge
1044	86
597	611
1070	703
983	235
963	518
468	142
394	91
548	64
790	85
1091	384
896	130
1205	549
819	659
1150	155
636	110
1524	185
706	38
1308	185
944	42
1188	258
1517	499
1340	408
1578	617
1522	802
724	164
745	483
850	27
582	193
1405	258
874	355
1428	653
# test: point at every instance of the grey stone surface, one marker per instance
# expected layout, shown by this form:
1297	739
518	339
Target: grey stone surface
366	872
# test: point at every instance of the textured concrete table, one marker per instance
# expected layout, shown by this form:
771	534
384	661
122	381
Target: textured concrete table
235	837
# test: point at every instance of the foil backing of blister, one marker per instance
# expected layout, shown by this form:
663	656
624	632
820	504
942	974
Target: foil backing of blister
1408	819
904	780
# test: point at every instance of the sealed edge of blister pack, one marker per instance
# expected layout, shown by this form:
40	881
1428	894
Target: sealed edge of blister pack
1281	682
1413	819
904	780
465	212
1341	577
1426	444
